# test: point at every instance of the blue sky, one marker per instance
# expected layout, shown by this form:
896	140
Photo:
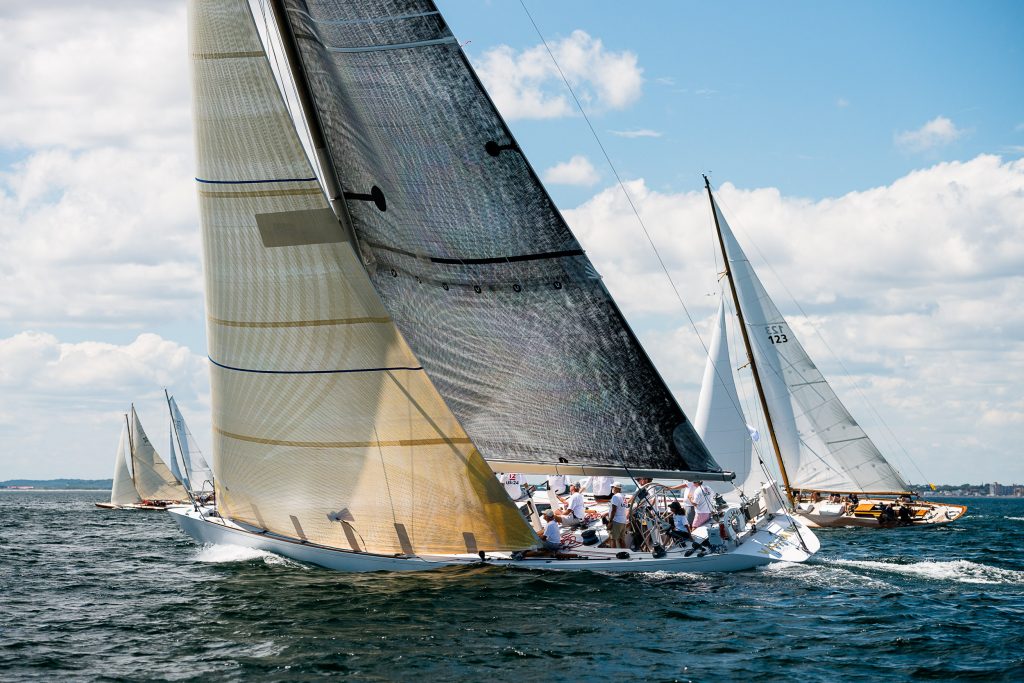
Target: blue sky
867	154
802	96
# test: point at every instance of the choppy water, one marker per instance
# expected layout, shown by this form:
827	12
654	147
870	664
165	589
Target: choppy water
93	594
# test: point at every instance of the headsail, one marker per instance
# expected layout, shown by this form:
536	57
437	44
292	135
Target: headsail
719	418
471	257
196	469
123	491
153	479
326	428
822	446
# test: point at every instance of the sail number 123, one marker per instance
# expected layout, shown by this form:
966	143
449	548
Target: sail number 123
776	334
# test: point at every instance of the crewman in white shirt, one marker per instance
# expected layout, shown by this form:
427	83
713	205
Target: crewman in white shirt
617	515
701	497
552	537
513	484
574	510
601	487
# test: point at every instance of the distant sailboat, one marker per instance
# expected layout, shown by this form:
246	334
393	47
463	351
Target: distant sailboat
141	478
379	352
186	459
122	493
820	449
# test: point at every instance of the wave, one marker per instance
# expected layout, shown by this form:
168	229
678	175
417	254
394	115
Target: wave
1016	519
960	571
823	576
219	554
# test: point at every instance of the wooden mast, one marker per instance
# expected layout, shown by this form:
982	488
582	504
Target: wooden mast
750	351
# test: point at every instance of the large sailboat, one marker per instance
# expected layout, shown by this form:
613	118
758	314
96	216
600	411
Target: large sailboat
141	478
390	328
833	473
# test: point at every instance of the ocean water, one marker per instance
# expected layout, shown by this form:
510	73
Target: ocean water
90	594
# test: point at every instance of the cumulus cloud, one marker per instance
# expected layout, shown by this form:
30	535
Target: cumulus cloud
938	132
915	286
640	133
61	404
526	84
84	74
576	171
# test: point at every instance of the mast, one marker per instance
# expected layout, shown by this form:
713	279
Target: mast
131	444
750	350
309	115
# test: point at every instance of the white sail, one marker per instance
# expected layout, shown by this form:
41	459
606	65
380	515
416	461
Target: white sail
123	491
172	458
325	426
197	471
153	479
822	446
719	418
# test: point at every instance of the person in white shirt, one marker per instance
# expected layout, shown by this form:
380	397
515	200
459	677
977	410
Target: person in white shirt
701	498
601	487
574	509
513	484
617	517
557	484
552	537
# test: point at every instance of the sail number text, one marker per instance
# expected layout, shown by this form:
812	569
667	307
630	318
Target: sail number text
776	334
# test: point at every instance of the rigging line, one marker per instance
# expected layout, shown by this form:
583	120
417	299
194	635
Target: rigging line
842	365
628	197
618	178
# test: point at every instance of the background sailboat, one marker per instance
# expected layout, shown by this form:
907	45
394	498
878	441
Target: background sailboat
379	352
122	492
819	446
188	464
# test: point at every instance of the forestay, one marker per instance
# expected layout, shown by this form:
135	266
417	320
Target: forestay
123	491
719	417
822	446
325	427
471	257
153	479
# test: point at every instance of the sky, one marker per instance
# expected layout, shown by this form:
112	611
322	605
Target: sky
868	156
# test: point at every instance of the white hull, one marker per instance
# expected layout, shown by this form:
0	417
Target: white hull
779	540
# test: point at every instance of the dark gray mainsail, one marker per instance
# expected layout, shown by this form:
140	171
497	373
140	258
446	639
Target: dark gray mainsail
472	259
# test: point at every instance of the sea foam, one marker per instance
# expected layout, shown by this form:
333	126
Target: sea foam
961	571
218	554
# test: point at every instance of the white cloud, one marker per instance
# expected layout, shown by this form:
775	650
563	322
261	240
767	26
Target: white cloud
936	133
640	133
915	286
527	85
842	103
61	404
84	74
576	171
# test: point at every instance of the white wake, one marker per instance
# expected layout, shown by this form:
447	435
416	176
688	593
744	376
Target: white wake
218	554
961	571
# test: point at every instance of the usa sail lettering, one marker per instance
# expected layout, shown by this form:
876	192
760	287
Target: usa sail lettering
776	334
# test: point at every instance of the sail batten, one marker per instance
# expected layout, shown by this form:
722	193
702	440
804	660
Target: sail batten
822	446
471	258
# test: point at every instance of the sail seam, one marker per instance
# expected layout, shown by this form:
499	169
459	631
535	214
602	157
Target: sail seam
354	22
298	323
252	182
310	372
227	55
378	48
343	444
260	193
479	261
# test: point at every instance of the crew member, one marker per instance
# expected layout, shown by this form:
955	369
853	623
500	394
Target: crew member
574	511
552	538
617	515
